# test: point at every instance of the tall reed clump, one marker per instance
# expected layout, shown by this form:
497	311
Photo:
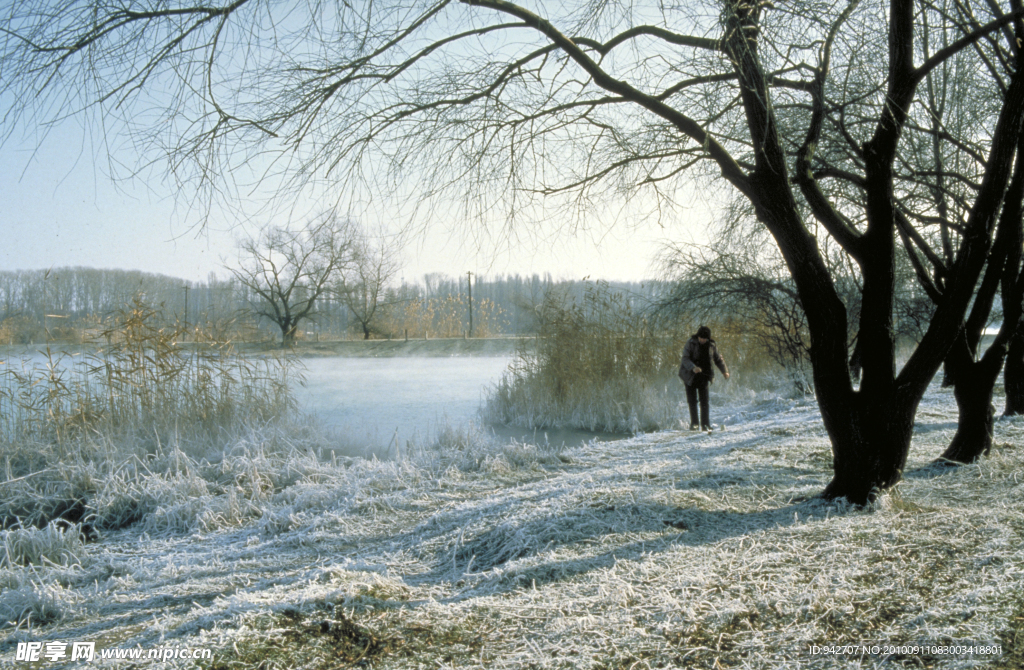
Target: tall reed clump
597	363
145	403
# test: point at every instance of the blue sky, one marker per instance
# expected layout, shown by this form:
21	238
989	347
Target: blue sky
61	208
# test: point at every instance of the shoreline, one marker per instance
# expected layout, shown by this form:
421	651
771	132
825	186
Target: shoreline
434	348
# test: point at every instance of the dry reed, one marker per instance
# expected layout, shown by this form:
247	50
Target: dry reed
84	437
602	364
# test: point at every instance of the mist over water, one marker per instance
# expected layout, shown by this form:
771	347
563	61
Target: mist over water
382	406
378	406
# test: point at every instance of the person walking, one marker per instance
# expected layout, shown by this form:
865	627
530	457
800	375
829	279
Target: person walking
697	374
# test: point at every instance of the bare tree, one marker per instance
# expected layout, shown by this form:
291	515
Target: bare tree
286	272
808	110
363	286
938	182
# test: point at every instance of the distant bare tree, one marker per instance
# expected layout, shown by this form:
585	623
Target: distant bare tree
362	287
286	272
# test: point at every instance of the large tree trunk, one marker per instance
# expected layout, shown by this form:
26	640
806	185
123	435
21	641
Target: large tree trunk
870	442
973	386
867	454
870	429
288	332
1013	375
973	382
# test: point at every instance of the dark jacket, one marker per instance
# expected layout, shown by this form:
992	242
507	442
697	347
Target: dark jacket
691	354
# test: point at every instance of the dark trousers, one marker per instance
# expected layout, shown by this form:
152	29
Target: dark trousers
698	389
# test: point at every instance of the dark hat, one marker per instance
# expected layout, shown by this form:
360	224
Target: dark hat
704	332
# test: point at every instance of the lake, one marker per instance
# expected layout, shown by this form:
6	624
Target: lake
382	404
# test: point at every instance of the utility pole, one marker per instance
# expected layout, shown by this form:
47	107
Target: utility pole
469	284
46	330
186	307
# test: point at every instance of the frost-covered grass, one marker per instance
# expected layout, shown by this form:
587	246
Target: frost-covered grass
671	549
142	428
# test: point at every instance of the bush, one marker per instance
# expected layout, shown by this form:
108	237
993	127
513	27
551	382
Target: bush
597	363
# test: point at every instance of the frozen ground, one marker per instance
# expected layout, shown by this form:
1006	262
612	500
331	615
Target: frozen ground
669	549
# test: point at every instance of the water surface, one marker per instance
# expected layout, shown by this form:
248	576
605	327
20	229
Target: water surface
382	405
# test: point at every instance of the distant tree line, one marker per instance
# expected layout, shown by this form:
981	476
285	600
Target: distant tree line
62	303
72	304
